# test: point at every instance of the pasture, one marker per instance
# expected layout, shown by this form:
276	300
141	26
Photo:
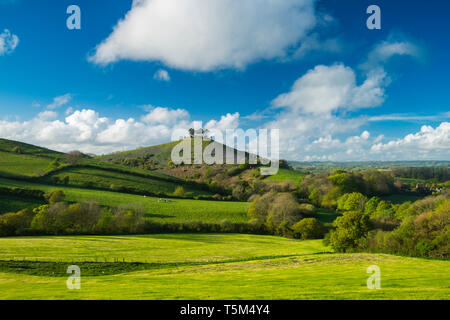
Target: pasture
286	175
175	210
22	165
105	179
198	266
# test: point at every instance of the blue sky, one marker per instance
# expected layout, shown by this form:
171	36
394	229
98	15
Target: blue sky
225	64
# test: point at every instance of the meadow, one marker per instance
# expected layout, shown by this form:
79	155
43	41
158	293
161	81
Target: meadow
29	165
284	175
175	210
219	266
106	179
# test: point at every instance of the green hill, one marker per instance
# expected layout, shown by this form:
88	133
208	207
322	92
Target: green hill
35	164
28	149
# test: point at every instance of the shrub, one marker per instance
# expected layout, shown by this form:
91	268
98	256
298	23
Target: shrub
179	192
55	196
307	209
308	228
350	228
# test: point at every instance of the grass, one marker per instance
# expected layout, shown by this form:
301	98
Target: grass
177	210
21	164
9	145
188	266
325	215
14	204
284	175
106	179
400	198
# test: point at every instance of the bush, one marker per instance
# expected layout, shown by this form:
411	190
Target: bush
307	209
55	196
179	192
308	228
351	202
350	228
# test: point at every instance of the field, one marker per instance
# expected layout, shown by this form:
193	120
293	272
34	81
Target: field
175	210
400	198
219	266
286	175
106	179
29	165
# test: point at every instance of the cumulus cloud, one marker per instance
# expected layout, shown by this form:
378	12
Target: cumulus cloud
428	143
161	115
229	121
205	35
326	89
87	131
162	75
8	42
60	101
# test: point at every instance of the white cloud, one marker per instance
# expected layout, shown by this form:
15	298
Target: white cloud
205	35
229	121
8	42
161	115
86	131
60	101
383	51
162	75
428	143
47	115
327	89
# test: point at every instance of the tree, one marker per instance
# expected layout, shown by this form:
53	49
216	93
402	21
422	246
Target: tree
351	201
73	157
17	150
308	228
350	228
371	205
55	164
259	208
55	196
179	192
284	209
384	208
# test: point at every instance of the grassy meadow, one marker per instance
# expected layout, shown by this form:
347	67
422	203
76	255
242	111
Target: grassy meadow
285	175
105	179
175	210
29	165
198	266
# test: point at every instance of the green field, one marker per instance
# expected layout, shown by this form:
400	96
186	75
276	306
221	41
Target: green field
286	175
106	179
219	266
176	210
400	198
22	165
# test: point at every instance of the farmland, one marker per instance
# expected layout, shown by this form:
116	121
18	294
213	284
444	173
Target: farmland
201	266
175	210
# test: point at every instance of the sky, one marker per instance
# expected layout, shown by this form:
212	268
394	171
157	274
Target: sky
138	70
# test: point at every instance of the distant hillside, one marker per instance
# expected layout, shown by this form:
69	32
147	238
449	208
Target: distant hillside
36	164
159	156
28	149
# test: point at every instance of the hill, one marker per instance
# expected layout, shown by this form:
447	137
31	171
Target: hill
35	164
